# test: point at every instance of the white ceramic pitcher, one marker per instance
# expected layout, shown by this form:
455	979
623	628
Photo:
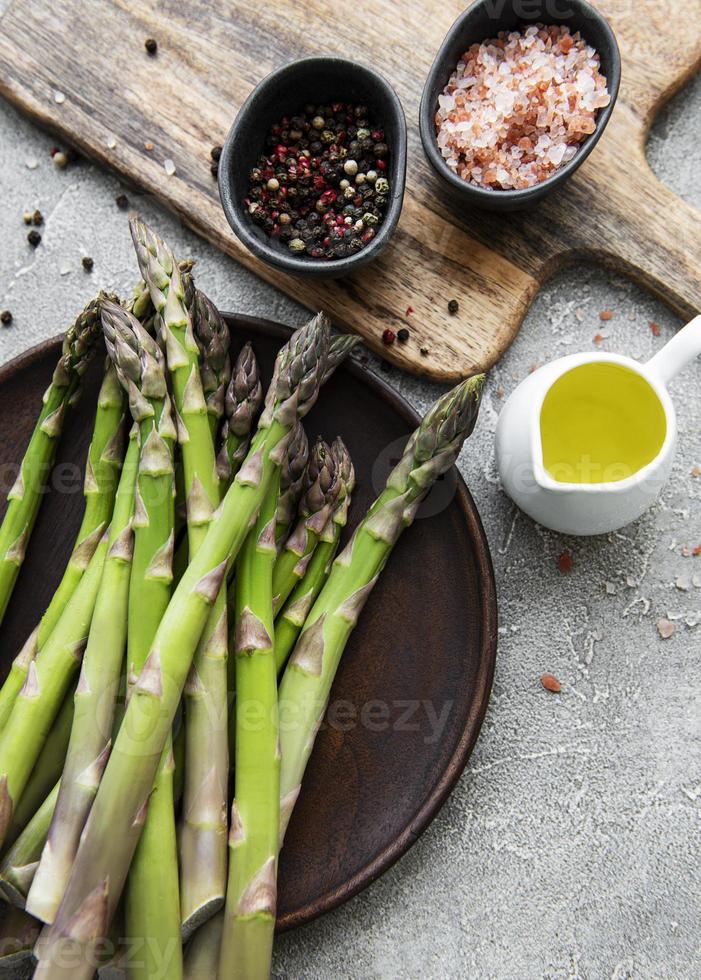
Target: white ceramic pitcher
587	508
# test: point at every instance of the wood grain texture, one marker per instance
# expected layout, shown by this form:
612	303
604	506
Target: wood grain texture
210	55
409	698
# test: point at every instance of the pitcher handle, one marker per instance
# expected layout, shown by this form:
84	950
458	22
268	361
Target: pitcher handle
681	349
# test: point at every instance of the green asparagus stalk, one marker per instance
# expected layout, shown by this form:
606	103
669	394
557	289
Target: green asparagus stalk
139	303
18	674
102	469
315	509
95	701
212	338
141	371
293	474
24	498
47	681
161	273
197	359
118	813
340	347
46	772
202	952
152	904
291	617
203	829
244	395
188	287
306	683
249	917
291	484
21	861
292	478
293	471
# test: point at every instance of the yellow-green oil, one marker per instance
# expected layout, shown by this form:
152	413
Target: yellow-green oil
600	423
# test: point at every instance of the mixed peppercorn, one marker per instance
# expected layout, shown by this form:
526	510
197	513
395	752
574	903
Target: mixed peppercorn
321	186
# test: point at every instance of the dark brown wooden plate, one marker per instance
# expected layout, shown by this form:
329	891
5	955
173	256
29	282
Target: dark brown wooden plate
414	682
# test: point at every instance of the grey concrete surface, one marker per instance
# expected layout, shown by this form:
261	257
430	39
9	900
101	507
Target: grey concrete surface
570	847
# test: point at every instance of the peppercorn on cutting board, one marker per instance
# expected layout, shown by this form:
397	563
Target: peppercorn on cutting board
209	57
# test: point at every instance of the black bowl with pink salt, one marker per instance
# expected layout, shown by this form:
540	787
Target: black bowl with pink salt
517	98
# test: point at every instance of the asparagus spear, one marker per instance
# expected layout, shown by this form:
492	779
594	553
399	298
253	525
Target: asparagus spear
212	337
95	701
118	812
20	863
139	303
102	468
293	472
203	829
242	402
288	488
141	371
152	904
47	682
46	772
340	346
249	917
306	683
24	498
291	617
291	566
101	478
203	834
17	676
315	510
292	476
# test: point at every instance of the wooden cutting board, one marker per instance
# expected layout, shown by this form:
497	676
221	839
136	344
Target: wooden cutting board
210	55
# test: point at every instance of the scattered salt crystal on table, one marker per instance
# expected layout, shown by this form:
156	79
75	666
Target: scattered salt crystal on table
518	106
31	163
111	143
59	97
665	628
169	167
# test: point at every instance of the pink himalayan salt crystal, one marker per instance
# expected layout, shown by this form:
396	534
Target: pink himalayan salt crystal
517	107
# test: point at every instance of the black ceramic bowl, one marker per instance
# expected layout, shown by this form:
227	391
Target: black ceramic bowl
483	20
285	92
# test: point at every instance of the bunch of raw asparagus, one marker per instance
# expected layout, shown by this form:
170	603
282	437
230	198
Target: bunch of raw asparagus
203	590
